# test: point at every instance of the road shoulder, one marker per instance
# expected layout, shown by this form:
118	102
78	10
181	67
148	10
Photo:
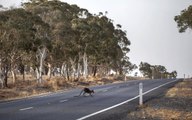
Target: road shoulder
173	104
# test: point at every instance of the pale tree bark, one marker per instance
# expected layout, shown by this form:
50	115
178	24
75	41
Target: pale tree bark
64	70
78	70
79	67
13	59
13	75
49	70
85	66
37	74
73	68
41	55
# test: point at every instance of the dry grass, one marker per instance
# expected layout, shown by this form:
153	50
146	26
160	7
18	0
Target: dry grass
176	104
161	114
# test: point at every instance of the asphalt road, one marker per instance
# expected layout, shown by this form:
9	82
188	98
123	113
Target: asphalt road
107	100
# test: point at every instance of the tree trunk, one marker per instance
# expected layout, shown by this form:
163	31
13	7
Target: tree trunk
22	70
2	77
37	74
94	70
41	69
5	81
85	73
2	83
120	71
13	76
64	70
24	75
6	76
67	72
78	67
41	56
49	71
73	69
78	71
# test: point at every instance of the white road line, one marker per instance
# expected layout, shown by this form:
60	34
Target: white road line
61	101
26	108
160	86
90	115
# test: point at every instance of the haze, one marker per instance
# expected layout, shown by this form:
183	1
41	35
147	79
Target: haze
150	27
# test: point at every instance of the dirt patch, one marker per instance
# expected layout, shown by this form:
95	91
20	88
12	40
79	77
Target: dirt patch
176	104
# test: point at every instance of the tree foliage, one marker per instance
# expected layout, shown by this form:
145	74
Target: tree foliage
76	41
21	33
184	20
155	71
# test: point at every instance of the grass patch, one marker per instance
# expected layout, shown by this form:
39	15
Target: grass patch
176	104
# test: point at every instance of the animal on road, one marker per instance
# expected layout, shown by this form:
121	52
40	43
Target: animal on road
87	91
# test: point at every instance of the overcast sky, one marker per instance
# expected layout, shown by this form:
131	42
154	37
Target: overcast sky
150	27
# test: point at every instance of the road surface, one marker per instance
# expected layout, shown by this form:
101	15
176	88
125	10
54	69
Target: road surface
107	100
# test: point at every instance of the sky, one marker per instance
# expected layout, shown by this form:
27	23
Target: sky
150	27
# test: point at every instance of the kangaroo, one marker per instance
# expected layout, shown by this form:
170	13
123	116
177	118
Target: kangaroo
88	91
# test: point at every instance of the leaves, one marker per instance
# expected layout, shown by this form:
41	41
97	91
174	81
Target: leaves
68	32
184	20
155	71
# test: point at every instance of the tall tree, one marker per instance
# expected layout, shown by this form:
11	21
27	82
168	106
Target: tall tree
59	16
80	39
146	69
22	33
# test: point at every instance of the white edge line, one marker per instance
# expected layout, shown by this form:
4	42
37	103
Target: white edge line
159	86
90	115
26	108
87	116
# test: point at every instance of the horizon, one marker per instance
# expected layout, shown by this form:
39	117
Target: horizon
150	27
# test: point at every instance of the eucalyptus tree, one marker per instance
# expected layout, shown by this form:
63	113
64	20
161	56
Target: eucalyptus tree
122	48
22	33
72	33
174	74
146	69
89	30
159	71
80	39
156	71
106	44
113	45
184	20
58	15
94	43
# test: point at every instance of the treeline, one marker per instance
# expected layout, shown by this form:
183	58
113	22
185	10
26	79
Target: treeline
45	37
156	71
